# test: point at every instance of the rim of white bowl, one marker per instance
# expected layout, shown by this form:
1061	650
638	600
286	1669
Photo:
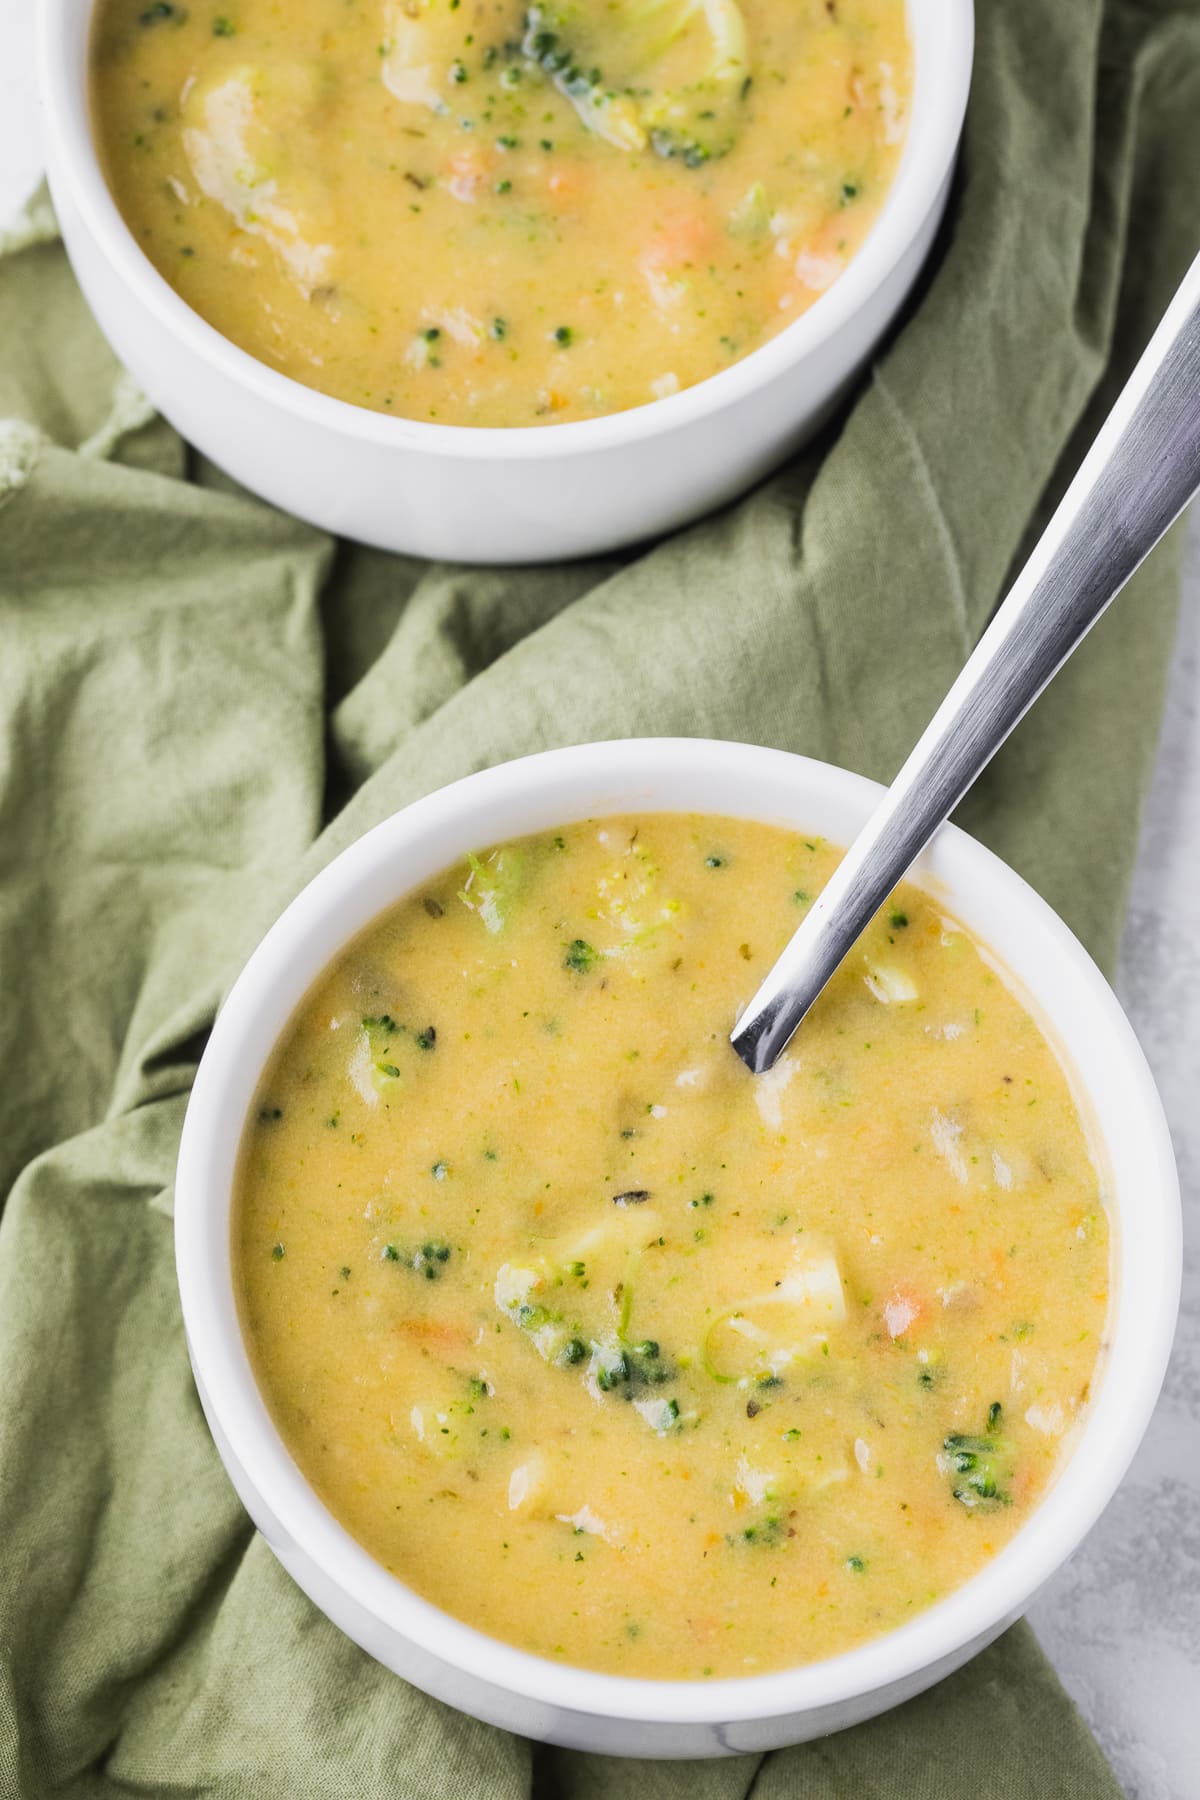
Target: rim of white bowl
942	34
555	787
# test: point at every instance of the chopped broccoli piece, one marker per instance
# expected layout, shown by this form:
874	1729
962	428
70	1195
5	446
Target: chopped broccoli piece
382	1023
660	1414
670	74
769	1530
613	1371
982	1466
521	1292
610	1364
429	1260
620	1367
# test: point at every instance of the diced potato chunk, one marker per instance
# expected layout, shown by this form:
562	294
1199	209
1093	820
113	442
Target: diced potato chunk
890	982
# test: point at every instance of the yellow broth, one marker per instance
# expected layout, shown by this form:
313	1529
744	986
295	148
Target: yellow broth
626	1356
486	213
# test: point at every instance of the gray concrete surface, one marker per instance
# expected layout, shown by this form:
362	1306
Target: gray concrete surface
1122	1620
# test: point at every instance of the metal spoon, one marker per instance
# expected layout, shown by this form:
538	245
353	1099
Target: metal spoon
1136	479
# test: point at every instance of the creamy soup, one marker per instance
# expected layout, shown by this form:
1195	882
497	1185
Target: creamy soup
488	213
619	1352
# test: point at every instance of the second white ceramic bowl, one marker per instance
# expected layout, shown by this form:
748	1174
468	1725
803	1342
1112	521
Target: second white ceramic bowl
505	1686
473	495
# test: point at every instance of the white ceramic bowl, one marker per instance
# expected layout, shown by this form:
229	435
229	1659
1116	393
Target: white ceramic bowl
609	1713
476	495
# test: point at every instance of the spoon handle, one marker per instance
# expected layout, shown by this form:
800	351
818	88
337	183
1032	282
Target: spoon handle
1136	479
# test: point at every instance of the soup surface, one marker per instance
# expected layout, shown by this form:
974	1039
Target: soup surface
483	212
625	1355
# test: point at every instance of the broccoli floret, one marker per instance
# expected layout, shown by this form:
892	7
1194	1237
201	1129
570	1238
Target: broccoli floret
668	74
624	1368
609	1362
981	1466
522	1292
429	1260
771	1529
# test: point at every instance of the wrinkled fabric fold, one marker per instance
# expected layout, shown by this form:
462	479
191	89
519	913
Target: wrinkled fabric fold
202	700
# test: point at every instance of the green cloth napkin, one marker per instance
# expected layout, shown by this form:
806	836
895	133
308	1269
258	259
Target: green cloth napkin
202	700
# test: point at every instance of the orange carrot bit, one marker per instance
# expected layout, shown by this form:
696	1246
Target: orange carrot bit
1024	1485
685	238
568	185
434	1333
